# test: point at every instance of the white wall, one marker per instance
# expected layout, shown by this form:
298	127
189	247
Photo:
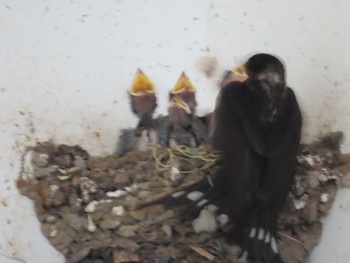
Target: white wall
311	36
65	67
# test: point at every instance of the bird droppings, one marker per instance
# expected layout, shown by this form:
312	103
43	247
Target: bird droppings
324	198
91	207
91	227
116	193
53	232
175	174
91	217
118	210
300	204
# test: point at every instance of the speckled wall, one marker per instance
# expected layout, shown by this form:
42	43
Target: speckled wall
310	36
65	67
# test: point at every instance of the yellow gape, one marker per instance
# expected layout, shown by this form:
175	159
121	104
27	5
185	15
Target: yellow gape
240	73
141	84
180	103
183	84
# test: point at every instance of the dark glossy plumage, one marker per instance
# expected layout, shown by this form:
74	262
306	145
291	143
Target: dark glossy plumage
258	124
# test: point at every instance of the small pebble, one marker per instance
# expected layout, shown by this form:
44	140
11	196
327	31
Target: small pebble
118	210
91	207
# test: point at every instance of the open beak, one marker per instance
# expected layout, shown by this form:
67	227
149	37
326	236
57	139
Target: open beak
141	85
178	102
183	84
240	73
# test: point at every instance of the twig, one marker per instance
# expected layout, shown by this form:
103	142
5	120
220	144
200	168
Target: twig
203	252
294	239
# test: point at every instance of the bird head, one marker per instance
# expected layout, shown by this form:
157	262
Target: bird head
141	85
267	80
142	95
266	68
238	73
183	84
185	90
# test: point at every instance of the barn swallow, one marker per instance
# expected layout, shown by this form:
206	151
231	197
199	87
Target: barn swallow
143	103
238	73
179	123
184	127
257	131
143	99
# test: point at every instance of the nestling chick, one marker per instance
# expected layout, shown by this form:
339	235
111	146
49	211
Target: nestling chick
183	126
143	103
143	99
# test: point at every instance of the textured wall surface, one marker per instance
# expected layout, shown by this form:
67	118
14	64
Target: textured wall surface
65	67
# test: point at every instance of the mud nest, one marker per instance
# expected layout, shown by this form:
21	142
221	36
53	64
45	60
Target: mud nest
86	205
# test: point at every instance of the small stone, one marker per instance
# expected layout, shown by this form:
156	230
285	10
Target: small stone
63	177
59	199
109	222
79	161
50	219
40	159
42	172
127	230
74	220
62	171
91	207
120	256
132	188
167	230
311	213
132	201
322	178
312	180
74	170
118	210
144	194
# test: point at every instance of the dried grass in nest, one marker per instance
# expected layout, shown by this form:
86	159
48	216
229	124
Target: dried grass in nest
86	204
